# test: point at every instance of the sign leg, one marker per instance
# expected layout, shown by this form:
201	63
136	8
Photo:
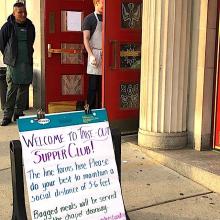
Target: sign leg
19	209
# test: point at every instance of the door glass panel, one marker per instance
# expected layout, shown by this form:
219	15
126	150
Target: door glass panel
131	14
72	58
71	21
129	95
72	84
130	56
52	22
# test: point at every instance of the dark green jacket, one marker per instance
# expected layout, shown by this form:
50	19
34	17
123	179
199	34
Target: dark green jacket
9	41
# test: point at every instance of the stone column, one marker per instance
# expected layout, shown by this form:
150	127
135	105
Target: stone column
164	73
202	73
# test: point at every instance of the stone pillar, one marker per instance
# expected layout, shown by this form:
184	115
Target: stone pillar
164	73
202	73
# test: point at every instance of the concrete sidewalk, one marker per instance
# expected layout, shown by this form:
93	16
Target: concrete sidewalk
150	190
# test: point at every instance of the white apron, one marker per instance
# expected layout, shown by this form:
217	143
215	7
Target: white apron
96	46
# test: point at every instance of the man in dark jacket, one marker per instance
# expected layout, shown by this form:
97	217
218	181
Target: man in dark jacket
17	37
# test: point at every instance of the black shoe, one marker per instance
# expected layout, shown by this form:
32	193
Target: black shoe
5	121
17	116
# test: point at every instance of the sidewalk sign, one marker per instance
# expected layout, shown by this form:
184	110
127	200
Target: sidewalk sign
70	167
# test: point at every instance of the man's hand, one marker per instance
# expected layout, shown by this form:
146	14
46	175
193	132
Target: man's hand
91	57
92	60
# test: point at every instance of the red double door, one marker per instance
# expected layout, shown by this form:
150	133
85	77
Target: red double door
66	61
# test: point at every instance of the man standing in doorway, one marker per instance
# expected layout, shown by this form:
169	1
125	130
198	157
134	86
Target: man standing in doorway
17	37
92	37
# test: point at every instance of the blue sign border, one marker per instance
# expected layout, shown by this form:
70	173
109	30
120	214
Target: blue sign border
64	119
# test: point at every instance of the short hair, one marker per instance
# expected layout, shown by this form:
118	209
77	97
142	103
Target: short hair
95	1
19	5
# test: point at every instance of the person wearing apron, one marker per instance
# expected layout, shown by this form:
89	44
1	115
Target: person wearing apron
92	37
16	43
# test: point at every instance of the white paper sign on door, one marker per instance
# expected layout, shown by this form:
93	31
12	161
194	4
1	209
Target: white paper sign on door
70	167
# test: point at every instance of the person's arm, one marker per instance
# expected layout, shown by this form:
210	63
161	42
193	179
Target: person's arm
86	38
3	38
1	42
34	33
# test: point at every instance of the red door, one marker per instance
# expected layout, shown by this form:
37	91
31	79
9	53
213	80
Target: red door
217	118
65	61
121	62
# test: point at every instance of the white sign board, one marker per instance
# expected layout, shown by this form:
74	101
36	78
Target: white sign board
70	167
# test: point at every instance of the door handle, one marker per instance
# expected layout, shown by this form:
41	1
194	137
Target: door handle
64	51
113	56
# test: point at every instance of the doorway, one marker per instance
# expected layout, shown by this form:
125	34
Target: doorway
65	77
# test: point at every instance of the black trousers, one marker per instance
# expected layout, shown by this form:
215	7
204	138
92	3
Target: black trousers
16	99
94	98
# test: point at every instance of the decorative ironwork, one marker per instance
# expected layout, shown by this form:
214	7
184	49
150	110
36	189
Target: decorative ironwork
75	55
72	84
131	15
130	96
130	56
